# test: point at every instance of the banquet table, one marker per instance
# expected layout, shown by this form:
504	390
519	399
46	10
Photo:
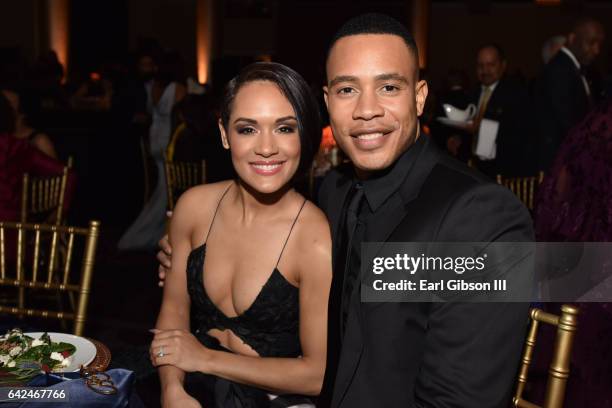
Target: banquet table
76	389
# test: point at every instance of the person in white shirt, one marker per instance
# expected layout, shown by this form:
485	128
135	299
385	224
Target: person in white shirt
501	125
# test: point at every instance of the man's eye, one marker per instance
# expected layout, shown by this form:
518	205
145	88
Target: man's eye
246	131
345	90
390	88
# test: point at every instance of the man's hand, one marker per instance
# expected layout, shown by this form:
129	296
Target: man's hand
164	256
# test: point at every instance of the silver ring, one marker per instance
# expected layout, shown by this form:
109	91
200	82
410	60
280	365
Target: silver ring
161	353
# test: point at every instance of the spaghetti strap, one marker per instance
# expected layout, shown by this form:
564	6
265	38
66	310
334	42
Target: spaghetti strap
217	209
291	230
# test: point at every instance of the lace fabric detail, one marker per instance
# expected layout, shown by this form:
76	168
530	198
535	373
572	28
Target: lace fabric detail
270	326
574	203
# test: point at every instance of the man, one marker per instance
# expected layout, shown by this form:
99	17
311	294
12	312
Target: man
563	94
506	103
407	354
403	189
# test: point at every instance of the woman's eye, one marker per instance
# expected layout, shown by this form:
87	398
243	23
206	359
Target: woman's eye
286	129
246	131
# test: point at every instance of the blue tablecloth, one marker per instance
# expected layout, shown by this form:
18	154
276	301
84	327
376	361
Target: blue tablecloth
79	395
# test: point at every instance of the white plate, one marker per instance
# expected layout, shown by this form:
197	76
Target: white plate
453	123
84	354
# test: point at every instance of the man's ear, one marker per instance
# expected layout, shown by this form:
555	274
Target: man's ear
421	91
224	140
325	92
571	38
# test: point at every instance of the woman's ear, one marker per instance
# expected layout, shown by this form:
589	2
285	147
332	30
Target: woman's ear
224	139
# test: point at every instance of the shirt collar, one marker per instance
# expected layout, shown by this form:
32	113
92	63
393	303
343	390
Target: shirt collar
571	56
380	187
491	87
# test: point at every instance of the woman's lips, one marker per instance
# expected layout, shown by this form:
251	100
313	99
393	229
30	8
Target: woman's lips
267	168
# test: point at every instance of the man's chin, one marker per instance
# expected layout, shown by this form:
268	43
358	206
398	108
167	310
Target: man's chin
371	164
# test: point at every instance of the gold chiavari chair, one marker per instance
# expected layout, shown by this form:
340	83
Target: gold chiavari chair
523	187
42	198
558	372
24	270
182	175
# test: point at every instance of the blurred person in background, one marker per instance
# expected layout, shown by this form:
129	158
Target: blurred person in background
18	156
505	102
574	204
563	95
23	125
164	91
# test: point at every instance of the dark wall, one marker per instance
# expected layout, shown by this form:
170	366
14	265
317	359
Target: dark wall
18	26
98	32
172	22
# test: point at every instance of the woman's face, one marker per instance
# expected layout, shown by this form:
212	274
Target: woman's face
262	135
13	99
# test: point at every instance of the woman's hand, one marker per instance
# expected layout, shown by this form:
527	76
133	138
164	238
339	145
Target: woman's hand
179	348
177	397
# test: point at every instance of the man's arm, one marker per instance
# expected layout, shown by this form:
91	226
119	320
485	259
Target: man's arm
473	350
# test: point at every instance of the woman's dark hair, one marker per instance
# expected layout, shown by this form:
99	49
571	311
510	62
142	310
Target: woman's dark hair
7	116
296	90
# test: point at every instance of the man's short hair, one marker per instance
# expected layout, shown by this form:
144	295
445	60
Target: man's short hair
500	51
375	23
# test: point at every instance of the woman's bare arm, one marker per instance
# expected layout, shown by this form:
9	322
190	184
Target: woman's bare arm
174	313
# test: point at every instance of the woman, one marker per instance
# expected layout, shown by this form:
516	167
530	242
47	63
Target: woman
257	302
574	204
18	156
23	127
163	93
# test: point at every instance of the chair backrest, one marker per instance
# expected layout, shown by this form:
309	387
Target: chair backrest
39	246
558	372
523	187
42	197
182	175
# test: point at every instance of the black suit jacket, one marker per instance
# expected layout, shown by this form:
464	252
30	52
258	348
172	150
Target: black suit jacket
427	354
561	102
509	105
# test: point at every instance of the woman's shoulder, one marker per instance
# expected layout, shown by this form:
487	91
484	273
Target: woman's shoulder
43	142
202	198
313	229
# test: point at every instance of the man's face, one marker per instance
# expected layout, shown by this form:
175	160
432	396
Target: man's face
373	99
586	42
146	67
489	66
